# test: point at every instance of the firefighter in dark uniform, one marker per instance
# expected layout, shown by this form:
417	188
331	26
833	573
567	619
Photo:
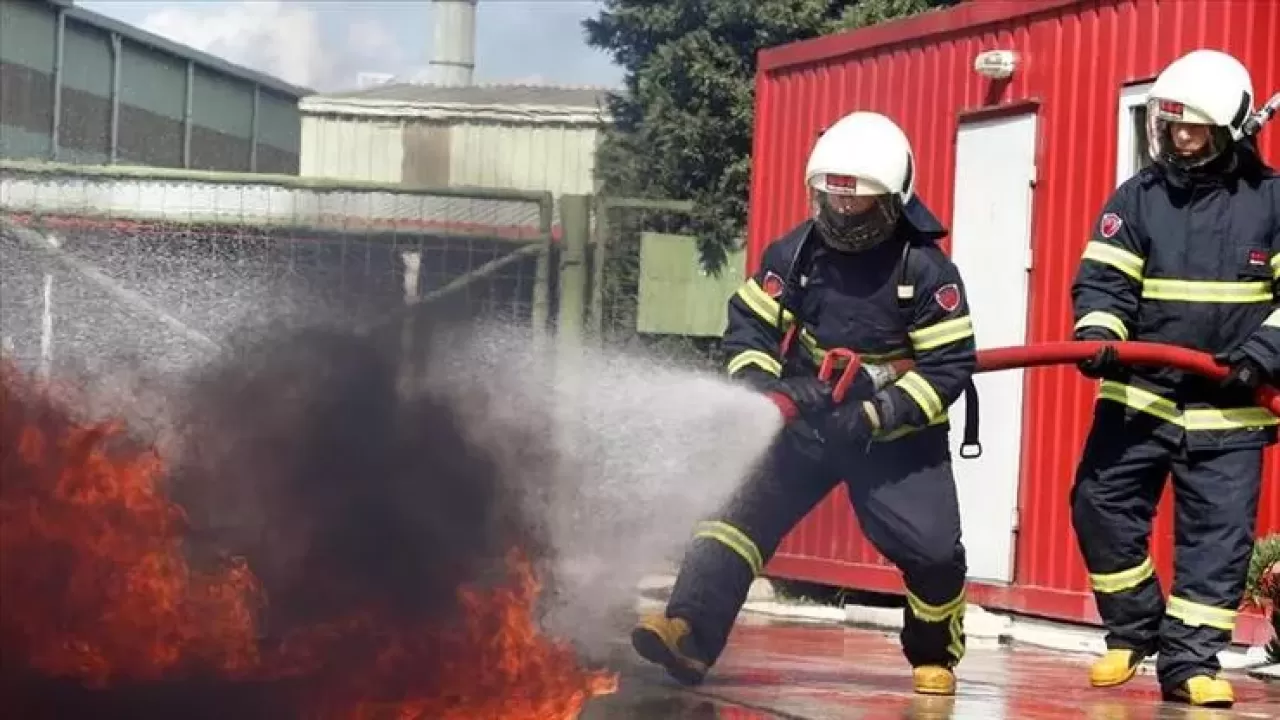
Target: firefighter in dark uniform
1185	253
864	274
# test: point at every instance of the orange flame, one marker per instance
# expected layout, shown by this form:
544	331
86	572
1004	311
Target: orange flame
96	588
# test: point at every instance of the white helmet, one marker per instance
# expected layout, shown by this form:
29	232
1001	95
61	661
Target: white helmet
863	155
1203	87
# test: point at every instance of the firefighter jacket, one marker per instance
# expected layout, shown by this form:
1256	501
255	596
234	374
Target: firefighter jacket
1195	262
903	298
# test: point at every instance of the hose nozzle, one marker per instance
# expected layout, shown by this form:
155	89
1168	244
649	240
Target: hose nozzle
1255	122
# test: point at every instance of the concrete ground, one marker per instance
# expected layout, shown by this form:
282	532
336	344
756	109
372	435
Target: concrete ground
776	669
797	661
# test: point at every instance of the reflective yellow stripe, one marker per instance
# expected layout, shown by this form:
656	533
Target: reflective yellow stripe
1101	319
1194	614
766	308
1141	400
1275	266
1123	580
734	539
908	429
950	612
935	613
1273	320
1206	291
943	333
873	415
1194	419
923	393
761	304
1227	418
1118	258
748	358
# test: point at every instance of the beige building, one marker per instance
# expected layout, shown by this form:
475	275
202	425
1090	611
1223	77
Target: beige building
499	136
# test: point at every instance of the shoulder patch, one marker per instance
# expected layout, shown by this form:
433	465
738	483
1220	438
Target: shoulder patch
1110	225
948	297
772	285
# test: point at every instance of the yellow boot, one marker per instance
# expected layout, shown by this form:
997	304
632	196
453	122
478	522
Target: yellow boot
934	680
1117	667
1203	691
669	642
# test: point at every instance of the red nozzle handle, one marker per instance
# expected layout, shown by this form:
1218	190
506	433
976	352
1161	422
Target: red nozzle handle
852	365
785	406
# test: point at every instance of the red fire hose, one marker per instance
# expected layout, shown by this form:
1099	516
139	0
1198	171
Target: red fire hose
1129	353
1042	354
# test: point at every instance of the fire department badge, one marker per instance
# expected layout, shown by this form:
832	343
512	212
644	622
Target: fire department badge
772	285
1257	258
948	297
1110	225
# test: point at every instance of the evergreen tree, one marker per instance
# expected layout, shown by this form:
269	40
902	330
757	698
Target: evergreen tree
684	123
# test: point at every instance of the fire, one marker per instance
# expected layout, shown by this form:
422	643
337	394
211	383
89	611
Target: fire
97	590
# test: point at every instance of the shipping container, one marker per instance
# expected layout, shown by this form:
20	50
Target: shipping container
1019	168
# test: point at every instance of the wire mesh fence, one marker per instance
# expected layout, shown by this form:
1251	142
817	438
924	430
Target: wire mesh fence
642	257
102	260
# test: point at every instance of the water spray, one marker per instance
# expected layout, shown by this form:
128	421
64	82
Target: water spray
50	245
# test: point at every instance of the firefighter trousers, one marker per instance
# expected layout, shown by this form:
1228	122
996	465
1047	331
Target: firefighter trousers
1121	476
904	496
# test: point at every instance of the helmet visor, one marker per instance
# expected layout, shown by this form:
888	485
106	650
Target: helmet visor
854	223
1181	137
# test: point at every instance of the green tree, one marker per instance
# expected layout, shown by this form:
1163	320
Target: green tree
683	124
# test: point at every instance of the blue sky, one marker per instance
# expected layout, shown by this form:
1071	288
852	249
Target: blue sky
325	44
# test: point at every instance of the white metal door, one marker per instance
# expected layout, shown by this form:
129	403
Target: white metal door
991	244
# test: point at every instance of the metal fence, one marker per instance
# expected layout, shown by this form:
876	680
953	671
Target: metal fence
158	262
627	289
104	264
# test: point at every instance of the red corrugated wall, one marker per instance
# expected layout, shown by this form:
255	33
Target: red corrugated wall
1074	59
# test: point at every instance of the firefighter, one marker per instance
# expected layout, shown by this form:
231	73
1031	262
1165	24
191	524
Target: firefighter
1185	253
863	273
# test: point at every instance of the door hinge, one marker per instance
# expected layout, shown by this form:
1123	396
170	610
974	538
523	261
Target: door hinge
1016	520
1035	176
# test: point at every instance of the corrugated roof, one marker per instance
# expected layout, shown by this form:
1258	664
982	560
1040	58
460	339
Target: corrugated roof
186	52
487	95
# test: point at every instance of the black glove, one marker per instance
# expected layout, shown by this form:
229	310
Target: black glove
1106	362
849	426
810	395
862	387
1245	375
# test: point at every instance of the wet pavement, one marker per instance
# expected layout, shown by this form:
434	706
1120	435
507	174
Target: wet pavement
816	671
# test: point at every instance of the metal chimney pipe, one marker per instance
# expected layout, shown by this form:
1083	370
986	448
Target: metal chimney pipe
453	59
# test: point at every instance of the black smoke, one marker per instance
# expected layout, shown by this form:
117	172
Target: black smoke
353	476
349	474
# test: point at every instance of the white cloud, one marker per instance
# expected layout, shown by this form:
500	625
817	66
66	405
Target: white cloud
326	44
279	38
369	38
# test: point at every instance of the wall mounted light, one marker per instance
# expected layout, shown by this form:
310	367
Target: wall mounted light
996	64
